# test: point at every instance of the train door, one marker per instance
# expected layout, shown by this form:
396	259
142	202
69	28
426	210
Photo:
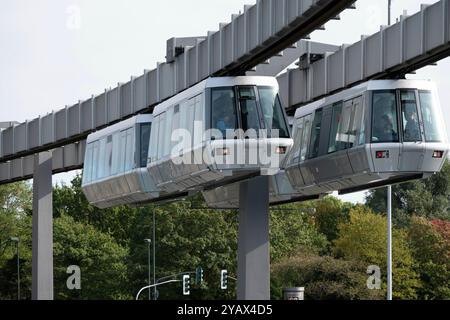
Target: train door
385	133
357	152
412	149
342	117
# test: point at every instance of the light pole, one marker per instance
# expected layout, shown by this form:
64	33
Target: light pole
155	296
389	214
17	240
149	242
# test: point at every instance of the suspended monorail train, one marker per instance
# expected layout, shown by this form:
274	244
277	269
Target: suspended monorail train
220	131
378	133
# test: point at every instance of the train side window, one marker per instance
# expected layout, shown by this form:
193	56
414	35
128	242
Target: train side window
95	156
190	122
410	116
102	168
305	138
161	135
144	137
224	115
356	126
175	122
298	135
108	155
129	152
115	167
153	147
122	151
273	112
336	120
384	117
315	134
167	138
87	164
430	116
199	125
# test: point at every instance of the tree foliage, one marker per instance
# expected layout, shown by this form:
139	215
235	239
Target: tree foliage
428	198
431	249
323	277
364	239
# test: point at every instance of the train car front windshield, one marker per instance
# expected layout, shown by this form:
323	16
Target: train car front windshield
246	108
397	116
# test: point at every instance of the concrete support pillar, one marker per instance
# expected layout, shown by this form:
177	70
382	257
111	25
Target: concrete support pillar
42	257
253	281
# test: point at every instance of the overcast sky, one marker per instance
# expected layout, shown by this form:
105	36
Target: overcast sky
53	53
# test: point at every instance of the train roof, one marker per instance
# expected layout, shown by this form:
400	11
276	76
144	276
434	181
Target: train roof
128	123
215	82
366	86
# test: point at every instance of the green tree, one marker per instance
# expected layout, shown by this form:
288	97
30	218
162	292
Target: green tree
101	259
292	227
70	200
431	250
363	239
324	278
428	198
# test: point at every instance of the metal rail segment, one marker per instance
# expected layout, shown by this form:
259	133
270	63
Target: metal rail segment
261	31
413	42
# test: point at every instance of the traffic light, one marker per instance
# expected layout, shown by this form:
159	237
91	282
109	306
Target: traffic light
186	284
223	279
198	276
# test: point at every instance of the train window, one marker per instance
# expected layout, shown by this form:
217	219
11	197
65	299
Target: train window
129	150
337	117
273	112
122	151
115	167
162	135
95	166
315	134
298	135
144	137
305	138
223	111
167	136
102	169
410	116
153	148
200	124
87	165
190	122
430	117
249	109
384	117
357	125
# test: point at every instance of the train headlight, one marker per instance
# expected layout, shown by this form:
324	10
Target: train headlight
281	150
438	154
222	151
382	154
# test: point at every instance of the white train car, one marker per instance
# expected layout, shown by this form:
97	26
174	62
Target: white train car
248	108
115	164
378	133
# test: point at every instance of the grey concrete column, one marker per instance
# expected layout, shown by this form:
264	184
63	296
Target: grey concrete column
42	257
253	281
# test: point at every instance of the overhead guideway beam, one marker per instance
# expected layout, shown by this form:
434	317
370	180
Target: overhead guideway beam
261	31
410	44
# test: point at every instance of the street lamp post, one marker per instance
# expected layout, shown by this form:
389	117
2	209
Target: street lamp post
17	240
389	214
155	296
149	242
